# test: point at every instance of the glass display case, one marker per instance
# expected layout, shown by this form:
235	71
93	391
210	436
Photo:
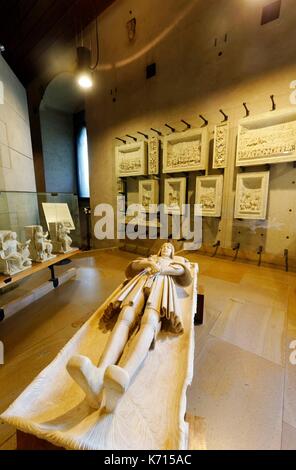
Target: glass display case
19	209
72	201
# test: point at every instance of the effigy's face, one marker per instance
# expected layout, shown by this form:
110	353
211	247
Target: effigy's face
166	250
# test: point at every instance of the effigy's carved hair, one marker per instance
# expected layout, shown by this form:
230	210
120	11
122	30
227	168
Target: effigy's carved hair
171	247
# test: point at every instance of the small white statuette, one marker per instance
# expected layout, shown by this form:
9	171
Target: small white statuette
14	256
41	247
251	195
60	238
209	191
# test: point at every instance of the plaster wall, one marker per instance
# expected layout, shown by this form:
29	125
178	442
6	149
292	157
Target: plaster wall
18	198
57	133
16	159
209	55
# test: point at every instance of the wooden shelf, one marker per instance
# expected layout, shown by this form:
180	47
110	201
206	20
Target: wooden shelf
9	280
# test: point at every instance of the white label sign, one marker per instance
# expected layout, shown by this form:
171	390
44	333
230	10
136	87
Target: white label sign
58	212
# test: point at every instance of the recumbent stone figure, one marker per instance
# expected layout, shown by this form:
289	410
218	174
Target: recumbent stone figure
147	303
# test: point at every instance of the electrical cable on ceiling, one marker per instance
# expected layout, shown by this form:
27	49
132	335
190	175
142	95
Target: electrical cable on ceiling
97	44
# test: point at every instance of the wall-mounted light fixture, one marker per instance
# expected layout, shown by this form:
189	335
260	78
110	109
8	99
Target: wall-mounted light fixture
84	70
84	67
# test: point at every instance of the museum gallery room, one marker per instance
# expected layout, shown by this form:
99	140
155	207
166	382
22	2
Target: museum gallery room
147	225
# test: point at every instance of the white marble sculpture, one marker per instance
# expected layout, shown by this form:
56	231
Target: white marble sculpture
146	304
41	247
221	141
14	256
153	156
208	194
148	195
131	159
120	185
60	238
251	195
267	138
151	414
174	195
185	151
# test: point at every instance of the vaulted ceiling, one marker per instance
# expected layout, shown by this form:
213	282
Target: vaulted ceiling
31	29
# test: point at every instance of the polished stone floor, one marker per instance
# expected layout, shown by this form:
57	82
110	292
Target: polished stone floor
244	386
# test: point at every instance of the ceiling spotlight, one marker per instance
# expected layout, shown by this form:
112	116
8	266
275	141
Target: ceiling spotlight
84	75
85	80
84	68
2	48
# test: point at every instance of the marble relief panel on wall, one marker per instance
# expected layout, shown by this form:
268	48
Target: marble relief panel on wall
208	194
251	195
174	195
120	184
221	141
267	138
153	155
148	195
131	159
185	151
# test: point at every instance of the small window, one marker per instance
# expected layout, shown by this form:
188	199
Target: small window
271	12
82	163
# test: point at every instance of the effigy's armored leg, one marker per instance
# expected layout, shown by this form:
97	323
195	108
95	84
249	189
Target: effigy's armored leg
88	377
119	336
86	374
117	378
139	347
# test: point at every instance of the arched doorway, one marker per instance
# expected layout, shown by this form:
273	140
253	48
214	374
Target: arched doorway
64	148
